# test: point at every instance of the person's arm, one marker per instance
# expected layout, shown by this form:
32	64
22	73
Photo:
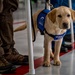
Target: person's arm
1	5
13	4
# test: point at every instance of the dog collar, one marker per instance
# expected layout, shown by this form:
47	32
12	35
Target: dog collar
56	37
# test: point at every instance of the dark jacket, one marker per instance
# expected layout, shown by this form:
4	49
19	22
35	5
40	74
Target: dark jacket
57	3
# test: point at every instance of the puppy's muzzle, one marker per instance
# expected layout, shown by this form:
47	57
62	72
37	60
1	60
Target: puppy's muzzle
65	25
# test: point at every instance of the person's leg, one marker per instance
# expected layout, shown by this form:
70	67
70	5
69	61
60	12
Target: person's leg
5	66
11	54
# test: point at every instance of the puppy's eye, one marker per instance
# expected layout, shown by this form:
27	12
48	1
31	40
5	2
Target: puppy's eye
59	16
68	15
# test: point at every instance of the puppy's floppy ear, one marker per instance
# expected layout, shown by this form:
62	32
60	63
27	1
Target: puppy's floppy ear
72	14
52	15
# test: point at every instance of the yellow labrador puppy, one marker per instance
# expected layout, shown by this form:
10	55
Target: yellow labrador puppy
56	24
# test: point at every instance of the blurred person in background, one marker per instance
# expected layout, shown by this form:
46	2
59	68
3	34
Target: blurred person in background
67	37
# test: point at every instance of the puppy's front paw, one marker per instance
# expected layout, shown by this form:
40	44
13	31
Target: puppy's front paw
57	62
46	63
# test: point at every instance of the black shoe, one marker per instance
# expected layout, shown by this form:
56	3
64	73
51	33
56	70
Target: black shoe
8	70
67	46
5	66
64	49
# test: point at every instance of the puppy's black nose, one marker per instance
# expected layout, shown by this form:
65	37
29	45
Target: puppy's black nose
65	25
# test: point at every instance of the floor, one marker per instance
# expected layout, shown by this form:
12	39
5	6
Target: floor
67	59
21	44
67	67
